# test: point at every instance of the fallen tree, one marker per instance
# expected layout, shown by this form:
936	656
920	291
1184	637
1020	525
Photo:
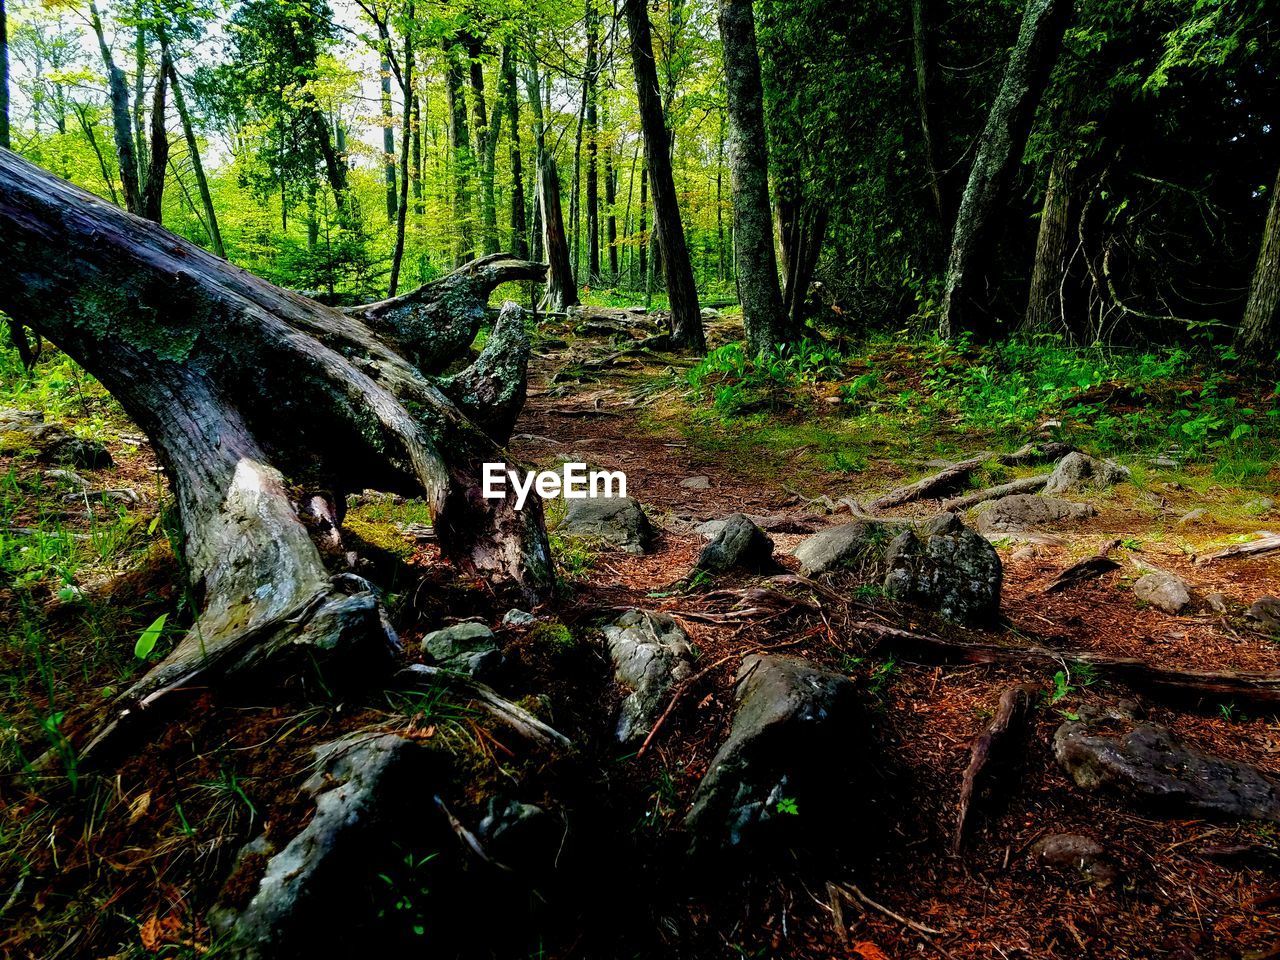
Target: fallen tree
258	400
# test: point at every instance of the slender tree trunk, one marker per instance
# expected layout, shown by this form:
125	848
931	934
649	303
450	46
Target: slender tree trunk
511	103
999	149
87	129
406	134
561	290
121	123
763	316
193	147
644	226
487	135
153	190
686	316
575	188
922	56
801	225
593	144
1044	306
463	162
720	248
611	218
1259	334
418	206
4	76
626	222
533	92
388	132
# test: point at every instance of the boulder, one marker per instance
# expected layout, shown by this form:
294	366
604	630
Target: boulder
1193	516
856	545
1164	591
740	545
515	617
1073	856
469	648
1078	471
617	521
696	483
947	567
650	654
54	443
1265	611
1029	511
366	788
789	765
1152	764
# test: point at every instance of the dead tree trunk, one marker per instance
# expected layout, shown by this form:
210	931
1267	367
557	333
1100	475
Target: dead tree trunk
561	291
1259	334
253	395
999	148
1044	303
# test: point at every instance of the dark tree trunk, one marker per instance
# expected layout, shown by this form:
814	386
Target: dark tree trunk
193	147
922	56
463	162
1259	334
402	208
999	149
418	206
121	124
245	389
611	218
686	316
802	227
643	242
720	250
487	135
388	134
1044	302
511	103
561	290
766	323
533	92
4	76
593	145
153	190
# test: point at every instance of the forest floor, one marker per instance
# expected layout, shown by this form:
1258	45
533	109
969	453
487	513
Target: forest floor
128	864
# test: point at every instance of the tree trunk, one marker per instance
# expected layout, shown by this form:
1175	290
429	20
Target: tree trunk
248	391
402	208
1044	305
923	61
611	218
418	206
763	316
487	135
202	182
121	124
533	92
999	149
686	316
4	76
561	290
644	227
801	226
1259	334
463	162
153	189
510	97
593	145
388	133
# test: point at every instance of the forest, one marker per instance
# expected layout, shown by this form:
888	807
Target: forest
640	478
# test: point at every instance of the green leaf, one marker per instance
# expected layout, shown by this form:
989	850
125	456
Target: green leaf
147	639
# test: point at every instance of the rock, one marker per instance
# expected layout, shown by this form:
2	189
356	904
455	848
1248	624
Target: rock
618	521
469	648
850	545
69	477
709	529
1193	516
788	764
1025	553
650	654
1164	591
947	567
696	483
1266	611
367	790
521	835
81	454
516	617
1029	511
1074	856
1217	602
1259	506
1078	471
55	444
1152	764
740	544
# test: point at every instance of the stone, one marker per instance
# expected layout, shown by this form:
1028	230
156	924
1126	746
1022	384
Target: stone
650	654
1152	764
696	483
1266	611
1029	511
1025	554
368	791
515	617
69	477
789	765
1217	602
521	836
740	545
947	567
1164	591
53	441
856	545
1193	516
616	521
469	648
1074	856
1078	471
1259	506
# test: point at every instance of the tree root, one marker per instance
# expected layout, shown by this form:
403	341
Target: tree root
1015	704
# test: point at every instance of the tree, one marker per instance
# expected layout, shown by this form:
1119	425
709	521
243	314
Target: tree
757	266
1044	305
686	315
561	290
4	76
1259	334
510	98
999	148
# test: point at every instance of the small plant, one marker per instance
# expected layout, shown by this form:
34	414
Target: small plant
882	675
788	806
406	887
1061	687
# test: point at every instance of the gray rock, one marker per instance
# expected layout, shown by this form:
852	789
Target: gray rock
1217	602
1152	764
69	477
788	764
1193	516
469	648
1029	511
515	617
696	483
1164	591
617	521
365	788
1074	856
740	544
650	654
521	835
1259	506
53	441
1266	611
1078	471
709	529
856	545
948	567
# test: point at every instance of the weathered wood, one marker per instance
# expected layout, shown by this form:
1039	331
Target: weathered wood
989	746
929	487
562	291
1022	485
1090	568
1269	543
1259	334
516	718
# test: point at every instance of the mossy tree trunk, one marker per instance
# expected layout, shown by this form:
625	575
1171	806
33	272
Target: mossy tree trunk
1259	334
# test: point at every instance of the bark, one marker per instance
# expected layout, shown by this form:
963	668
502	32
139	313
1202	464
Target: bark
246	390
534	94
992	746
644	227
418	206
999	149
763	316
4	76
121	125
1044	302
801	227
923	61
402	208
686	316
388	133
193	148
1259	334
931	487
611	218
487	135
593	145
511	103
561	290
153	190
463	162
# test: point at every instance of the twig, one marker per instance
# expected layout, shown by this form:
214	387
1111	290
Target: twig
683	687
849	890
